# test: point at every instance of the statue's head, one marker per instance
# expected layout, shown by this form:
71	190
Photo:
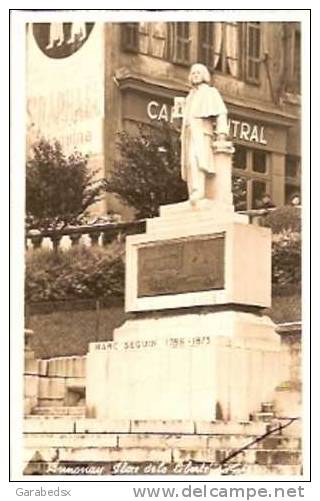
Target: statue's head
199	73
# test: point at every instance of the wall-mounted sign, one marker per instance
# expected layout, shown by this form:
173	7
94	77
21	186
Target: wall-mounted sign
65	95
247	132
59	40
238	129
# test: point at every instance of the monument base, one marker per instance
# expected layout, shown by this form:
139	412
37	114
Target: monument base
197	346
199	365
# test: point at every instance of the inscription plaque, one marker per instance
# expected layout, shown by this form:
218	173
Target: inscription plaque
192	264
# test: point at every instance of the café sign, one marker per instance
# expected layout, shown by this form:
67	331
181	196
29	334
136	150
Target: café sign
238	129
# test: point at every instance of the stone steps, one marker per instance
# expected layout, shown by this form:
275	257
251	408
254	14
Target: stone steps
159	441
69	440
60	410
89	453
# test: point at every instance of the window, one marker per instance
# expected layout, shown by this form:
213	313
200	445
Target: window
145	38
240	157
253	50
129	35
180	42
297	55
259	163
259	188
239	189
292	166
219	47
251	177
292	50
292	175
292	194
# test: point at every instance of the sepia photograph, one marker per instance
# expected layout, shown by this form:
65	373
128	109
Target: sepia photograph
163	213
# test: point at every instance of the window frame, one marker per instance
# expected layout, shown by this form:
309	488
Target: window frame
292	71
250	175
130	43
249	58
293	181
174	39
209	47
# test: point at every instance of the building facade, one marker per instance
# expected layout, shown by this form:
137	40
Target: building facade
86	83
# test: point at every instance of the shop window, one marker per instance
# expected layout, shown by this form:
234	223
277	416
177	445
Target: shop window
239	189
292	183
219	47
292	166
259	163
240	157
292	194
252	52
251	177
145	38
180	42
259	189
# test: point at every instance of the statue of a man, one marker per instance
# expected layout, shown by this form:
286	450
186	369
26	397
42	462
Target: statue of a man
202	105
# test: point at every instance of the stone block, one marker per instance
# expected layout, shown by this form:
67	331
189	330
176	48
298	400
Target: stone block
31	386
70	440
53	367
87	425
43	387
76	383
247	280
37	424
229	428
109	454
288	403
162	441
29	403
278	457
280	442
197	456
50	402
59	410
292	430
52	388
80	367
31	366
229	441
170	426
43	367
158	385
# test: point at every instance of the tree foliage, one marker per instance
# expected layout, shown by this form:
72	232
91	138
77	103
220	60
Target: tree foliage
285	223
59	188
78	273
148	172
282	219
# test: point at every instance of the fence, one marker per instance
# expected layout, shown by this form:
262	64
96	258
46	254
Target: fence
102	234
99	234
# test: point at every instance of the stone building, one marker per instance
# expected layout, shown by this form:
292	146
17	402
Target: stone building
87	81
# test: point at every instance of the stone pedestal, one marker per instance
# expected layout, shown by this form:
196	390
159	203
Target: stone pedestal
197	345
194	366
